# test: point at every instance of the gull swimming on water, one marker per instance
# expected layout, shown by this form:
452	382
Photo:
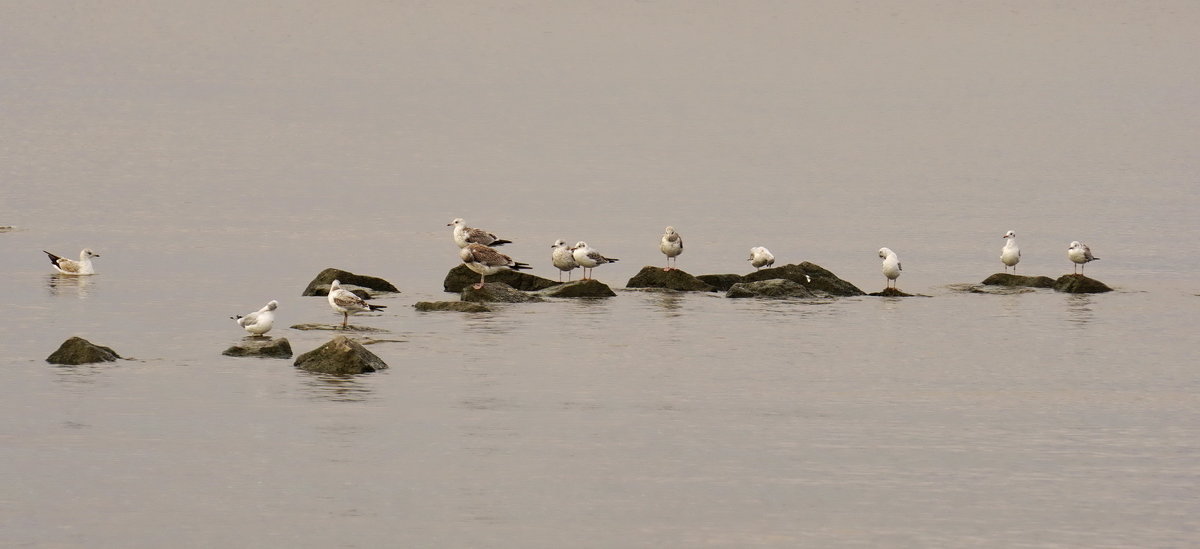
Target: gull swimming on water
671	245
344	301
464	235
70	267
891	266
487	261
588	258
1080	254
761	257
259	322
1010	255
563	259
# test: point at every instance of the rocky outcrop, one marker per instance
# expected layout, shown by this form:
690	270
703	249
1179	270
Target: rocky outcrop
1079	284
460	306
810	275
722	282
460	277
320	285
340	356
76	351
579	288
776	287
498	292
890	292
261	347
1006	279
674	279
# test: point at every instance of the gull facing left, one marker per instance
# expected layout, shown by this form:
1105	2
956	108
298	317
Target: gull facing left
344	301
464	235
259	322
761	257
891	266
486	261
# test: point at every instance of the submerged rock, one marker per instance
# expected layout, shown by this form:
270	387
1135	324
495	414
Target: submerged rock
336	328
460	277
460	306
498	292
777	287
264	347
320	285
1005	279
674	279
1079	284
340	356
76	351
579	288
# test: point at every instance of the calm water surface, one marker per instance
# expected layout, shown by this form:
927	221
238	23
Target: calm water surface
218	157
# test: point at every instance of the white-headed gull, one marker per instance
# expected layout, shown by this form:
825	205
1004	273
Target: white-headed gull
563	259
671	244
1010	255
1080	254
261	321
588	258
344	301
891	266
760	257
464	235
486	261
70	267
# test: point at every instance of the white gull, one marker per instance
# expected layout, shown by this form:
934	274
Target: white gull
259	322
74	268
1010	255
671	244
464	235
1080	254
761	257
563	259
588	258
891	266
344	301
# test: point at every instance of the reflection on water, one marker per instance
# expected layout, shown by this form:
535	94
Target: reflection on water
670	303
335	388
1079	309
78	286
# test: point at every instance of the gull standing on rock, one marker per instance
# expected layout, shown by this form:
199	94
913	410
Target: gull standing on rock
260	322
1080	254
563	259
464	235
344	301
486	261
671	245
761	257
891	266
1010	255
74	268
588	258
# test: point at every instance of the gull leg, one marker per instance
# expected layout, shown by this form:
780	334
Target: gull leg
345	319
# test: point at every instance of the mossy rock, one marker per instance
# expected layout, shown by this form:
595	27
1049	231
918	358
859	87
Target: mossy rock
461	277
340	356
579	288
320	285
890	292
674	279
809	275
76	351
498	292
776	288
1079	284
722	282
1006	279
459	306
263	347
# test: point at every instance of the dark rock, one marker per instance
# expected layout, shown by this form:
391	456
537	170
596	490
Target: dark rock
320	284
674	279
498	292
777	287
340	356
461	306
579	288
261	347
460	277
722	282
1079	284
890	292
336	328
1005	279
77	350
809	275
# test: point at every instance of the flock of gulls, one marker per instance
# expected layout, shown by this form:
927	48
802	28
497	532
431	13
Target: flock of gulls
477	251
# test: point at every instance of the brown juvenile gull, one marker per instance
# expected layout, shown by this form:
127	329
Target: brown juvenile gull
563	259
486	261
345	302
464	235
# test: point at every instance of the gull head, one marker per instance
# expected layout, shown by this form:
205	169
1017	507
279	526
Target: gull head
670	230
558	243
458	221
87	252
1075	245
335	286
272	305
884	252
580	244
1010	234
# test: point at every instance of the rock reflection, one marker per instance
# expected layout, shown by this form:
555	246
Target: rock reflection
670	303
78	286
1079	309
336	388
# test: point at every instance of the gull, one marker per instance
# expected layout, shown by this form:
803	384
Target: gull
344	301
486	261
671	245
1080	254
1010	254
259	322
69	267
588	258
563	259
761	257
891	266
464	235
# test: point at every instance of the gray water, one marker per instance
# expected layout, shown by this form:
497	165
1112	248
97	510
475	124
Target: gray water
219	155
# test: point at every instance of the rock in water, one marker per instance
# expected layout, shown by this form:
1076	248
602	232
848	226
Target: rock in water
890	292
498	292
674	279
320	285
460	277
722	282
76	351
261	347
1079	284
809	275
777	287
579	288
340	356
1006	279
460	306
